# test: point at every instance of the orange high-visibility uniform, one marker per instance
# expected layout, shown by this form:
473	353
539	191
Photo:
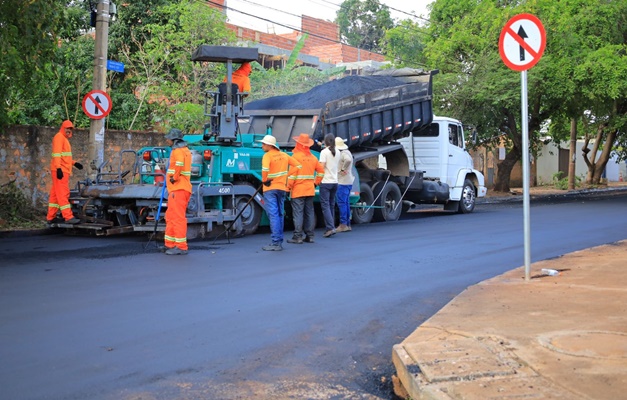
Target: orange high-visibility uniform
178	180
240	77
59	198
275	165
302	182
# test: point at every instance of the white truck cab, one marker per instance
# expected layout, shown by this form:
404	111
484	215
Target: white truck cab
439	151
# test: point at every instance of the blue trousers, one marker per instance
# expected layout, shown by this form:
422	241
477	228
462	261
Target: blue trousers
343	203
275	210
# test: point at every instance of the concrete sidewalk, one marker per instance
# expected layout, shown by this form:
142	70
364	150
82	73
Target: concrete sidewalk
553	337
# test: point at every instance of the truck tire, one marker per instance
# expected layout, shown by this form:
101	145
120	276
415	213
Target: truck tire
251	216
469	196
389	207
363	214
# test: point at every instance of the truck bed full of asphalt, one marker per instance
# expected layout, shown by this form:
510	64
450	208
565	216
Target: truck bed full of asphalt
322	94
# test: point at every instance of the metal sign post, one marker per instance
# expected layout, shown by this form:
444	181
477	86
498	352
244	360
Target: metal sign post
521	45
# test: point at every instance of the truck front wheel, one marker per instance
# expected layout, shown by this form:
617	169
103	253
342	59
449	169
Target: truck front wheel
363	211
388	202
467	201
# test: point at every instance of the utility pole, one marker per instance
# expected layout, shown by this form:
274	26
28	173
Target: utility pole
96	127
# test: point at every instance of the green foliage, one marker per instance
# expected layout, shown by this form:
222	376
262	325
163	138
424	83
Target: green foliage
577	77
560	182
404	44
363	23
16	210
28	41
159	56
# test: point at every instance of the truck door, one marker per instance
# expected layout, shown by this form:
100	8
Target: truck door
458	157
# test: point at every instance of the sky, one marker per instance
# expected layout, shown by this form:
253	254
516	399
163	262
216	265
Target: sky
288	12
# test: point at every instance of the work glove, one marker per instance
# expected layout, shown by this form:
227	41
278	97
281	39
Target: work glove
78	165
59	173
172	179
267	183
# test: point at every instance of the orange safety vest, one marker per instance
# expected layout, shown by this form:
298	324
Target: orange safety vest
62	151
241	79
181	169
274	167
302	183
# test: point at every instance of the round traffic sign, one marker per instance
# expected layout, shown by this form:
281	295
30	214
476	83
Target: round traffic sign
522	42
97	104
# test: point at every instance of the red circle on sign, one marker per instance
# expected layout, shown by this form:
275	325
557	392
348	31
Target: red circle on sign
536	54
92	105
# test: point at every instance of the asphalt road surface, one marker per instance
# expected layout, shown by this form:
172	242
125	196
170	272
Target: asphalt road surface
100	318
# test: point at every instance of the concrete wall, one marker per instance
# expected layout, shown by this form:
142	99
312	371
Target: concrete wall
25	153
548	163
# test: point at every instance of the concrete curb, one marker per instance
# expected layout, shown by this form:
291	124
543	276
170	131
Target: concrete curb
558	344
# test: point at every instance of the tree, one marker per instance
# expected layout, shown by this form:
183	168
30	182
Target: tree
30	30
363	23
404	44
476	87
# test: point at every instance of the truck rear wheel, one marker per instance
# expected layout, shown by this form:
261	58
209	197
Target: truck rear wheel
467	201
363	213
388	202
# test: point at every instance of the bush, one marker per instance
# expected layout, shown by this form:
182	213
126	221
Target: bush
562	183
16	210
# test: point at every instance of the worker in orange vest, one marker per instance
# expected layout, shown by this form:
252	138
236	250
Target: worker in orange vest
302	187
275	171
61	169
178	180
241	79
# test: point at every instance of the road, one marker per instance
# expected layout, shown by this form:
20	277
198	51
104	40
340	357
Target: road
100	318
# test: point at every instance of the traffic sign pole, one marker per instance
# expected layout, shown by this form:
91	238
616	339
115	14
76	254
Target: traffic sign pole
526	175
521	45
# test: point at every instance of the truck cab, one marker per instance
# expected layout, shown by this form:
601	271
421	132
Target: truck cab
439	152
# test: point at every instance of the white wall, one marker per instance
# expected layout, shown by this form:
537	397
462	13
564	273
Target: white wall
547	163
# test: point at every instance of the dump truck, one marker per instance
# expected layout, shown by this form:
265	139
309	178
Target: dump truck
374	114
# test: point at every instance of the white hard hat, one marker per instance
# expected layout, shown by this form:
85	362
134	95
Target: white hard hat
270	140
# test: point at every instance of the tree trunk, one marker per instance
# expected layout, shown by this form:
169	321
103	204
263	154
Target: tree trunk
505	170
572	154
505	167
603	158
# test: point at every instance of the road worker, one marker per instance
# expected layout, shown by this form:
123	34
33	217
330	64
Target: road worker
275	172
302	187
241	79
179	188
61	169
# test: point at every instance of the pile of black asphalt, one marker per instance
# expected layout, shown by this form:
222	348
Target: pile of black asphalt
322	94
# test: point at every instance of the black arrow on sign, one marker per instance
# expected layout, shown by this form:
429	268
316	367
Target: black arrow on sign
523	35
97	99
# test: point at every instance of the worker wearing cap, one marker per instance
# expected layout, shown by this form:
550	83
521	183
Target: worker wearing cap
302	185
61	169
240	77
275	171
179	187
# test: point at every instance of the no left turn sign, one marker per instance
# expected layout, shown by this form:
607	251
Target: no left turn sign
97	104
522	42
